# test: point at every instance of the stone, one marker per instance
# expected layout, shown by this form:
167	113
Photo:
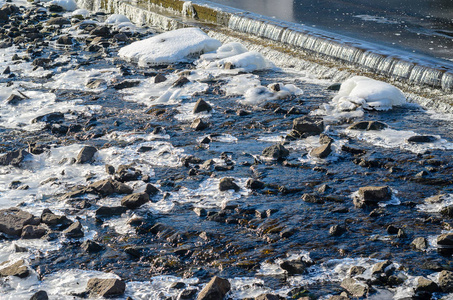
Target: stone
64	40
356	270
102	31
307	126
55	221
91	246
188	294
337	230
334	87
199	124
382	267
95	83
109	169
18	269
33	232
151	190
74	231
13	158
135	200
354	287
106	287
59	21
40	295
325	139
420	243
14	99
294	267
254	184
54	117
368	125
447	211
227	183
322	151
127	173
108	187
446	281
109	211
159	78
86	154
269	297
426	285
13	220
277	151
421	139
216	289
126	84
201	106
372	195
181	81
201	212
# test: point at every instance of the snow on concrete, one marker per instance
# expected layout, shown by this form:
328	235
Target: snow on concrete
179	45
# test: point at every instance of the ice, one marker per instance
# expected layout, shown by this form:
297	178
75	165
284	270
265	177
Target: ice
367	93
261	94
436	207
226	50
81	12
175	46
247	287
247	62
69	5
238	85
157	288
116	19
78	79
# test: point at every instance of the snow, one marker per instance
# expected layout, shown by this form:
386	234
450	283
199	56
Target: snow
247	62
116	19
69	5
261	94
81	12
227	50
179	45
368	93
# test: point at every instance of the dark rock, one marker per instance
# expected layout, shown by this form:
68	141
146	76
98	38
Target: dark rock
86	154
55	221
352	150
151	189
126	173
337	230
420	243
18	269
106	287
108	187
368	125
334	87
58	21
201	106
216	289
354	287
201	212
91	246
269	297
322	151
356	270
64	40
383	267
445	281
33	232
199	124
95	83
254	184
74	231
188	294
447	211
126	84
277	151
13	158
54	117
372	195
227	183
13	220
294	267
307	126
7	71
181	82
391	229
109	169
325	139
420	139
135	200
102	31
159	78
40	295
14	99
312	198
108	211
426	285
41	62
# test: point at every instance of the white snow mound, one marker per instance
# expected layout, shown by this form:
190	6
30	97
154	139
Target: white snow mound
116	19
69	5
248	62
368	93
227	50
179	45
81	12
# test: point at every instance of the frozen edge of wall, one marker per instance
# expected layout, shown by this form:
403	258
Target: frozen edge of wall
172	14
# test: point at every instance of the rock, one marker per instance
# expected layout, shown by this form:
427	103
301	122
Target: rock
95	83
420	243
102	31
106	287
277	151
307	126
446	281
108	187
74	231
33	232
201	106
227	183
109	211
135	200
201	212
420	139
91	246
151	190
86	154
322	151
447	211
13	220
199	124
41	62
51	118
58	21
383	267
14	99
40	295
216	289
269	297
13	158
125	84
337	230
372	195
426	285
368	125
64	40
445	243
254	184
294	267
188	294
352	150
109	169
354	287
55	221
436	199
356	270
159	78
325	139
334	87
181	82
18	269
127	173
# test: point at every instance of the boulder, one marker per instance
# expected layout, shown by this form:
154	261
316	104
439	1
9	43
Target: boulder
33	232
18	269
294	267
135	200
91	246
426	285
216	289
181	81
159	78
372	195
227	183
58	21
40	295
108	187
254	184
201	106
307	126
74	231
109	211
13	158
64	40
106	287
86	154
354	287
13	220
199	124
446	281
421	139
322	152
368	125
277	151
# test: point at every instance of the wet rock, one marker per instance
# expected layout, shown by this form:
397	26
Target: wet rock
201	212
269	297
201	106
383	267
109	169
86	154
159	78
372	195
95	83
254	184
199	124
337	230
54	117
64	40
13	220
227	183
294	267
356	270
125	84
354	287
188	294
334	87
307	126
55	221
151	189
15	99
40	295
445	243
59	21
91	246
436	199
322	151
216	289
352	150
312	198
420	243
445	281
109	186
421	139
13	158
277	151
18	269
135	200
426	285
102	31
41	62
109	211
368	125
106	287
74	231
33	232
181	81
325	139
447	211
126	173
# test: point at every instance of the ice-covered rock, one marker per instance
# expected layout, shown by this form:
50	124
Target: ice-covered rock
247	62
81	12
227	50
179	45
69	5
116	19
260	94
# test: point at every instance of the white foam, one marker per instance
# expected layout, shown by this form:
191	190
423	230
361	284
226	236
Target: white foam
175	46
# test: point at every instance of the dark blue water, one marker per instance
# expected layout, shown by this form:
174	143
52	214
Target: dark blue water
418	26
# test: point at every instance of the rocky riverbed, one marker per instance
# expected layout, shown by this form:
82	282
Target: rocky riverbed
132	181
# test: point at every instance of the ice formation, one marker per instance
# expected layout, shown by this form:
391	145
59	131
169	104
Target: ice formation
226	50
179	45
69	5
260	94
248	62
116	19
